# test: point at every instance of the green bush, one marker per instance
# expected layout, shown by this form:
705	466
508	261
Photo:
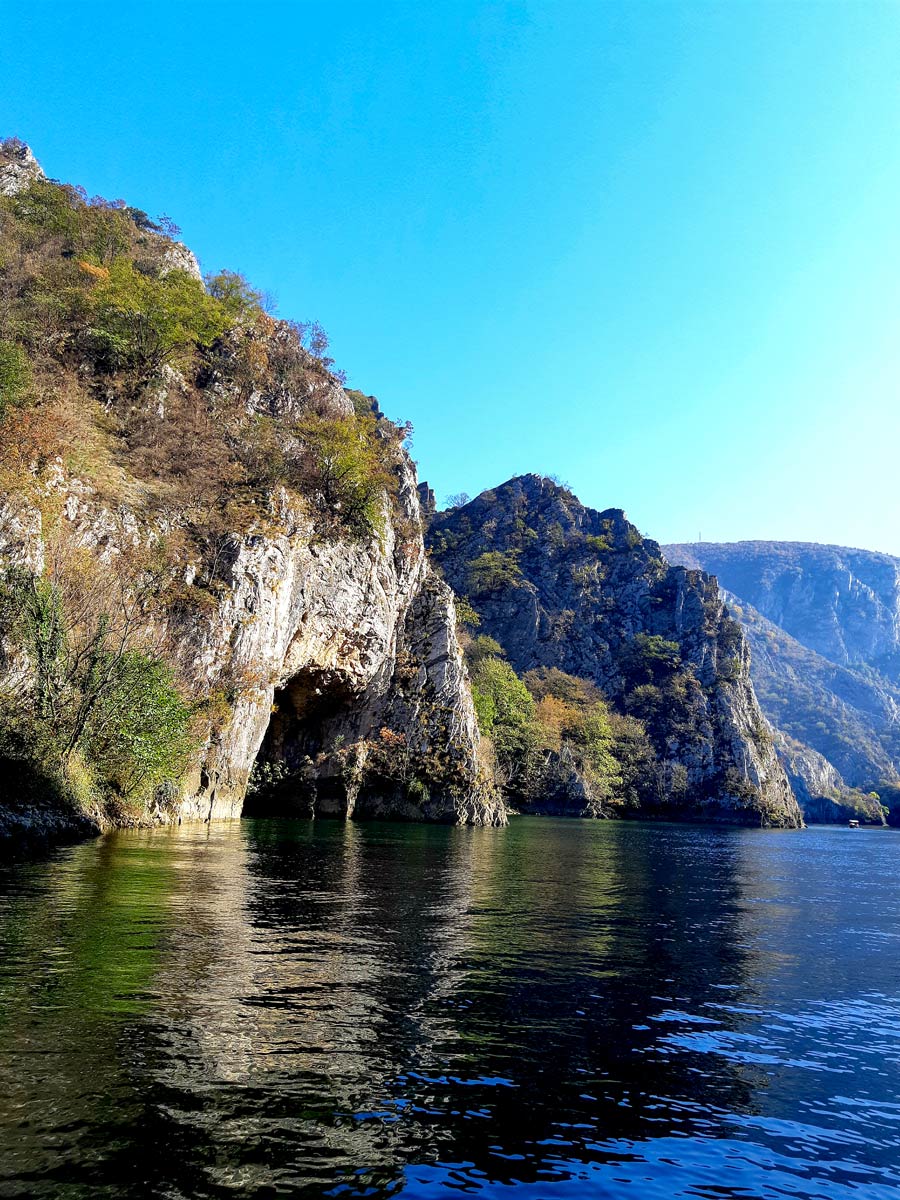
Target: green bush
466	615
504	705
651	658
345	463
234	293
142	323
493	570
15	375
138	732
104	717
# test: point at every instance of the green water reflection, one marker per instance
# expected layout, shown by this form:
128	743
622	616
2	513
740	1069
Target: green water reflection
275	1007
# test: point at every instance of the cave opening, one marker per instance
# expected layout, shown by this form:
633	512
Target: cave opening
311	718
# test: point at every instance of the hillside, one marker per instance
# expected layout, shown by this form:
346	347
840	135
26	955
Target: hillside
823	624
560	588
211	554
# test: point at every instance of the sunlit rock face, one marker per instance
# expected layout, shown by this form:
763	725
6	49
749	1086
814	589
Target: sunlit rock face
357	692
583	591
18	167
842	603
821	792
338	658
328	652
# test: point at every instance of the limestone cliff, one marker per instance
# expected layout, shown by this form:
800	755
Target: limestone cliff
340	661
221	507
560	585
821	793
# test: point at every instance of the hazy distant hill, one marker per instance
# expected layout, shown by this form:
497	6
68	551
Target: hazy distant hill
824	628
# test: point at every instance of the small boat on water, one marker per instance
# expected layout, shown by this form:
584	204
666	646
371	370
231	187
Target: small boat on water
853	824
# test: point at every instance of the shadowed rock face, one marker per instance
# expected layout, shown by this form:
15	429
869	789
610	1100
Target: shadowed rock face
564	586
823	624
842	603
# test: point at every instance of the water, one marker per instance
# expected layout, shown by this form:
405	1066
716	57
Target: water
559	1009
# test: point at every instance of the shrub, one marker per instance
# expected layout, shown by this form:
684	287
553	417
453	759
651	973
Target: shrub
138	730
466	615
15	375
141	323
482	647
493	570
650	658
234	293
345	462
505	710
95	709
572	715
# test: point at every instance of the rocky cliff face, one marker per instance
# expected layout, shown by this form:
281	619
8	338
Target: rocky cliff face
340	663
560	585
822	622
821	792
297	610
842	603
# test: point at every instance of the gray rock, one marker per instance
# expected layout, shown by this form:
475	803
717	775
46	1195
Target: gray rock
821	792
823	624
339	658
18	167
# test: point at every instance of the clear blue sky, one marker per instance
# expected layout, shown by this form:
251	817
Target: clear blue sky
653	248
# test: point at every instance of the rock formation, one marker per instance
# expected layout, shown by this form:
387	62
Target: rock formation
342	661
823	624
560	585
18	167
318	644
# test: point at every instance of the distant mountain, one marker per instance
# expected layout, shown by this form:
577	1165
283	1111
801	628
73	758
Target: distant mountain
823	624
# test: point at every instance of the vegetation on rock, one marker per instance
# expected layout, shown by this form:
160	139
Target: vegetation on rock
148	421
651	707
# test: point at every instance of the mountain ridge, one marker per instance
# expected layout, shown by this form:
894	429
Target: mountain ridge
824	625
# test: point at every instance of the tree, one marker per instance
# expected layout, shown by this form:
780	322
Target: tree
493	570
96	703
345	461
234	293
505	711
142	323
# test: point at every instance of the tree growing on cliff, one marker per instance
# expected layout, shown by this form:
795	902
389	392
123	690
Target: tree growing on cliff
95	704
141	323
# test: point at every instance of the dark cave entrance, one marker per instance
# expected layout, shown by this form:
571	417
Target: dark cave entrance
312	716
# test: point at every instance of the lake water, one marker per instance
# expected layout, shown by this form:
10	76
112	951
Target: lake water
558	1009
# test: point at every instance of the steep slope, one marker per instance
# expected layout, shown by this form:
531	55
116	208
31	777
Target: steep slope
842	603
561	586
211	553
823	625
822	794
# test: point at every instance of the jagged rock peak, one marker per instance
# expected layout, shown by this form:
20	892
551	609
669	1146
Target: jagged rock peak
563	586
18	166
823	622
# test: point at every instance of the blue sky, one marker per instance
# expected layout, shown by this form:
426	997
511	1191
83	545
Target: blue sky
653	248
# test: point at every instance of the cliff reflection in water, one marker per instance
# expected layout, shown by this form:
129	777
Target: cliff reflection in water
281	1006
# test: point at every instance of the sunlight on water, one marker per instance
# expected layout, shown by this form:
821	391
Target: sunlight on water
557	1009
